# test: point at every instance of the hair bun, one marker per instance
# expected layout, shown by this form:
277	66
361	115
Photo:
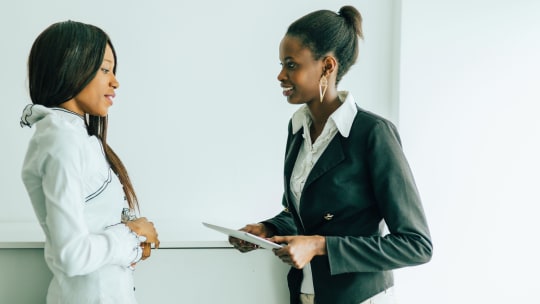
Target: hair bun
352	16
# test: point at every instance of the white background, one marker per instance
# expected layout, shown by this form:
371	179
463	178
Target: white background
469	103
200	121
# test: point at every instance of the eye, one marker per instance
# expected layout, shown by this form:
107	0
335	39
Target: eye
290	65
105	70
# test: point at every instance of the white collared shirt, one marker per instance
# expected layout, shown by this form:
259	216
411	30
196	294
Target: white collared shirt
340	121
78	200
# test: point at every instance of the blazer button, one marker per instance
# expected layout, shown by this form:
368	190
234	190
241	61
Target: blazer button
328	216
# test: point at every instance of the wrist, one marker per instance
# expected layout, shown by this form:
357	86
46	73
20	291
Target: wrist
267	230
321	245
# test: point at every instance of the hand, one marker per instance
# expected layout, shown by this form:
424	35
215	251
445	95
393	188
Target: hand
142	227
257	229
300	249
146	250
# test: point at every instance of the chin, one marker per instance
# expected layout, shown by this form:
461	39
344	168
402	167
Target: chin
100	113
291	100
294	101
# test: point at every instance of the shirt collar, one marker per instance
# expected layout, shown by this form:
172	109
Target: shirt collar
33	113
342	117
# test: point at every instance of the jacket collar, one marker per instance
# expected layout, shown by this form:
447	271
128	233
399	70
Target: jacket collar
343	117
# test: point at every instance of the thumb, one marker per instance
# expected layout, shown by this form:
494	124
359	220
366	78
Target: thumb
280	239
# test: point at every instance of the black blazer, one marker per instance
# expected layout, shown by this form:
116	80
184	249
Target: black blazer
358	184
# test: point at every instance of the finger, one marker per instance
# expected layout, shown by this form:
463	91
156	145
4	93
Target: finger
146	250
143	257
286	260
248	247
236	242
283	251
280	239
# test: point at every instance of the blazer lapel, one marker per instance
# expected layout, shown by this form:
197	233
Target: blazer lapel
332	156
292	154
290	159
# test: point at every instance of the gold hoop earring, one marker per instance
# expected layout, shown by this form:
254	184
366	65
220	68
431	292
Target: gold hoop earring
323	85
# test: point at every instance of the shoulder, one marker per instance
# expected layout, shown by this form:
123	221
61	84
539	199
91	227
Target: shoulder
370	119
59	139
368	123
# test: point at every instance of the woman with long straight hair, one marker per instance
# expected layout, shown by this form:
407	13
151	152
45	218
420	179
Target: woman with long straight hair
80	190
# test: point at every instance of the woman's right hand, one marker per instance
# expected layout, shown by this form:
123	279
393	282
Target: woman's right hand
258	229
142	227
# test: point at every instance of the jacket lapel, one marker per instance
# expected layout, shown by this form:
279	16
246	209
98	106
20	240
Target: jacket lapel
290	159
330	158
292	154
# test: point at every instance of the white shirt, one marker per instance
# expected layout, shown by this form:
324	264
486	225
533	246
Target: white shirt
78	201
308	155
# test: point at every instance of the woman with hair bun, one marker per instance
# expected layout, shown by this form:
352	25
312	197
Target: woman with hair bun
347	181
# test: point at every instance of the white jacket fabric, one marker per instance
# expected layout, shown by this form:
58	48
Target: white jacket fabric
78	201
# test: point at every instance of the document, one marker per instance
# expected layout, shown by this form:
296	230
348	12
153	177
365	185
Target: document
248	237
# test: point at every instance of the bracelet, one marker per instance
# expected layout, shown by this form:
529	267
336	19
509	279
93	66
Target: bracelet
128	215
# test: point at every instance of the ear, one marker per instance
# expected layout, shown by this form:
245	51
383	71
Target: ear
329	65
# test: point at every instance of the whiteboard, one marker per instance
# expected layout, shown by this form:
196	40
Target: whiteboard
199	119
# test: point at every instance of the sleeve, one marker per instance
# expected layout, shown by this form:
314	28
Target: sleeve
409	241
282	223
76	251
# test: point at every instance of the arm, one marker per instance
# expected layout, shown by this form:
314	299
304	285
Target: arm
281	224
398	201
77	251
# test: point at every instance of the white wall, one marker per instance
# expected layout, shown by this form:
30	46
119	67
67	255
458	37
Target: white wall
170	276
468	92
177	60
199	119
469	104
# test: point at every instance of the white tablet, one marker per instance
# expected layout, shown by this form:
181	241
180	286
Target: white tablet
248	237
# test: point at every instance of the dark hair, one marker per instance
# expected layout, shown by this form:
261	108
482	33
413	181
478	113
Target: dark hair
324	31
64	58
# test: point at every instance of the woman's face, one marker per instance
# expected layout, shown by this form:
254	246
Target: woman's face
96	98
300	73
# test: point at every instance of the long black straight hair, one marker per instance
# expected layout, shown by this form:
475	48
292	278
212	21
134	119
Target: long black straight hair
64	58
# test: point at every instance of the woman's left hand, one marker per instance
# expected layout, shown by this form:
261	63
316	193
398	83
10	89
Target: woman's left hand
146	250
300	249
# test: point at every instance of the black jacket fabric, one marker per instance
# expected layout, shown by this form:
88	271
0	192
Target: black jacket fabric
359	184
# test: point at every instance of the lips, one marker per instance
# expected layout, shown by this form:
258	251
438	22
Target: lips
110	98
287	91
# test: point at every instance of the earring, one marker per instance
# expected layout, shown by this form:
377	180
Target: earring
323	85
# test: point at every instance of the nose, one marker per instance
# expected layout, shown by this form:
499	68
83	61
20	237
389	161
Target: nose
282	75
114	82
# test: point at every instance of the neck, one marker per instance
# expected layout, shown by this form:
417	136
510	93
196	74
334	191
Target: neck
320	111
